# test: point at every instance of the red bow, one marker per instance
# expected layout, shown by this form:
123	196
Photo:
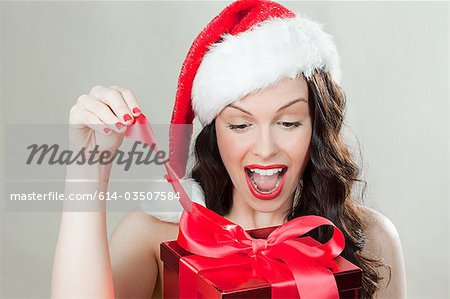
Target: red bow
208	234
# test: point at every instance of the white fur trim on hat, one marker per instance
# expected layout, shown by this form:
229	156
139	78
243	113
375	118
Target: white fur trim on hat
192	188
258	58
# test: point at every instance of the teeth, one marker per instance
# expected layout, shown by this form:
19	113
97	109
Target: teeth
266	171
266	191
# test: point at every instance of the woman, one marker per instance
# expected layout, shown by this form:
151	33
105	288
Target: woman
264	84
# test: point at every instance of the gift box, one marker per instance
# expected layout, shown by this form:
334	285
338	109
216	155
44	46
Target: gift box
216	258
237	278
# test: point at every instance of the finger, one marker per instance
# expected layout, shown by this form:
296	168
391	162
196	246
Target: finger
102	111
113	98
80	116
130	99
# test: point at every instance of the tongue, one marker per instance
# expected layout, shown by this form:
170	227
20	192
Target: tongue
265	182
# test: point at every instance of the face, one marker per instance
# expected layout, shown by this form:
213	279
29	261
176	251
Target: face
264	141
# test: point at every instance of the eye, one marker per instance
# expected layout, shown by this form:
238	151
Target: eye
290	125
239	127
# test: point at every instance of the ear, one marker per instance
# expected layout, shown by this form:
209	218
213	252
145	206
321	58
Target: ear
193	189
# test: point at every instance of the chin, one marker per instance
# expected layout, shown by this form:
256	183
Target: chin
267	206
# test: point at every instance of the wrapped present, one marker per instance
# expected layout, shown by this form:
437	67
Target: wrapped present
215	258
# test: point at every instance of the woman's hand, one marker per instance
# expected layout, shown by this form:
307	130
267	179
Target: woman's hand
101	117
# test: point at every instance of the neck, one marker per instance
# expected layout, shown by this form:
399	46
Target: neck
248	217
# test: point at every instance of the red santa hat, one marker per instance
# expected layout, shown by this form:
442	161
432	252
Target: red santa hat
250	45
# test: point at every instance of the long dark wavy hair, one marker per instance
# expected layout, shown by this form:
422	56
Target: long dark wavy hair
325	188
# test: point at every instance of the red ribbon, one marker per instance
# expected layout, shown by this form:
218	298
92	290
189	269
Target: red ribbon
141	130
210	237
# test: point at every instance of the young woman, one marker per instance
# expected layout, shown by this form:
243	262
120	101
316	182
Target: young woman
264	84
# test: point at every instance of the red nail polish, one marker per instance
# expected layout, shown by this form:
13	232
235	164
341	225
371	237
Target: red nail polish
107	130
119	125
127	117
136	110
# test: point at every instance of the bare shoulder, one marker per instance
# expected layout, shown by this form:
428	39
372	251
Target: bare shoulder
148	228
383	242
379	227
134	249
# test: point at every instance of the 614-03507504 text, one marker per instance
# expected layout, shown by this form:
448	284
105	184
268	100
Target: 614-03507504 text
108	196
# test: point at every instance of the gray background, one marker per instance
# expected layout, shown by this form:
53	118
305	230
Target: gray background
395	74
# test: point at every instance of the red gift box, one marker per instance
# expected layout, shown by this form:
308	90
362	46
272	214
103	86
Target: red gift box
225	278
215	258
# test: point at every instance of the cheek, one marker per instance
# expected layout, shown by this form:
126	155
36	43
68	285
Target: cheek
231	148
298	146
299	137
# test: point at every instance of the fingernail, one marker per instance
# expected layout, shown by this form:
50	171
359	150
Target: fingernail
127	117
107	130
119	125
136	110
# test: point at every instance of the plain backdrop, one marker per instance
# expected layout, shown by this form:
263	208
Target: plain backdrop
395	74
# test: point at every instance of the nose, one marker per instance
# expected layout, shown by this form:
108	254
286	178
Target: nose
265	145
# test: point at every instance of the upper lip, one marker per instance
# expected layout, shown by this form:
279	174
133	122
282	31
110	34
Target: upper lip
258	166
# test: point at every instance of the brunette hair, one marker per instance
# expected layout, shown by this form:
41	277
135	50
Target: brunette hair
325	188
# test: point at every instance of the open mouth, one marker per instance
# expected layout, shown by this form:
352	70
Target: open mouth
266	183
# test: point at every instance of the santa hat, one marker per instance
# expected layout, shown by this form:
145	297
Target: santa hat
248	46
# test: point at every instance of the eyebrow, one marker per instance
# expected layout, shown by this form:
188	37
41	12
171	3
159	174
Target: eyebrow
279	109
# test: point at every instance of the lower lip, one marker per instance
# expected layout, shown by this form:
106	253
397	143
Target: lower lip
265	196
